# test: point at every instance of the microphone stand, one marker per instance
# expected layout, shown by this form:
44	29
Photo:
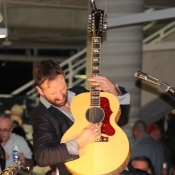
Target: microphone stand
167	89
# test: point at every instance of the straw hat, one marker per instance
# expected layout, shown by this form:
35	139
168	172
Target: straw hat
15	110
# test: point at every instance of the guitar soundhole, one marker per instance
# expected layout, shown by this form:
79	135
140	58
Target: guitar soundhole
95	114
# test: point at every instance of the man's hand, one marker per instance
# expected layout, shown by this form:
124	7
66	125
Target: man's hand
29	163
22	158
89	134
103	84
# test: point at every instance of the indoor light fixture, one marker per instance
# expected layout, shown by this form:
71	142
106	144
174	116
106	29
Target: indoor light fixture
3	32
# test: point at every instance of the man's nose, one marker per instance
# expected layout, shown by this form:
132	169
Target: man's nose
60	96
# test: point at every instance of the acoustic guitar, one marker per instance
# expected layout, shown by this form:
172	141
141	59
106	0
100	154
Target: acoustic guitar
110	154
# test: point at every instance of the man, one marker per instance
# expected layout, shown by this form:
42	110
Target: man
142	163
52	117
9	140
146	146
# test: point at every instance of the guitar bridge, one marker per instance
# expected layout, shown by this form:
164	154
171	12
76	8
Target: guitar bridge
102	139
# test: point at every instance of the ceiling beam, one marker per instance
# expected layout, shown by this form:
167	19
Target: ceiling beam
29	59
170	45
44	4
141	18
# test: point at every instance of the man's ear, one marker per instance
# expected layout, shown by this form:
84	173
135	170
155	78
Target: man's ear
39	90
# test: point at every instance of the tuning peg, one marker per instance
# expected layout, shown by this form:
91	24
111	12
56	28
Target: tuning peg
89	17
105	16
89	31
105	26
89	28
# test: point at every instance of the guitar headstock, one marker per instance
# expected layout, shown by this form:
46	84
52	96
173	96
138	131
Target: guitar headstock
97	23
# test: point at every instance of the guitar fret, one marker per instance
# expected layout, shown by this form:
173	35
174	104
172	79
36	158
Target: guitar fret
94	75
97	59
95	97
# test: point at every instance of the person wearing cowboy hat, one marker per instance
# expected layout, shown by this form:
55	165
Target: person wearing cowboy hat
16	114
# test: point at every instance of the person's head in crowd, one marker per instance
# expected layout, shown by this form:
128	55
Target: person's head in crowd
5	128
155	132
16	113
139	128
142	163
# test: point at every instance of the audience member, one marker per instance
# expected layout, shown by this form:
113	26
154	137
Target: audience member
130	170
16	113
142	163
9	140
146	146
155	133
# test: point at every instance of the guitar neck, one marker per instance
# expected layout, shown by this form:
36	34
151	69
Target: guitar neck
95	69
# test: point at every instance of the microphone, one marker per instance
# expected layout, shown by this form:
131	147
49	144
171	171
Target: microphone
155	81
146	77
167	88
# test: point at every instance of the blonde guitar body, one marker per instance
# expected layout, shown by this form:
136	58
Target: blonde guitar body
107	157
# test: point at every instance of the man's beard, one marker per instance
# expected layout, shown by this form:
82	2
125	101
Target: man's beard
58	105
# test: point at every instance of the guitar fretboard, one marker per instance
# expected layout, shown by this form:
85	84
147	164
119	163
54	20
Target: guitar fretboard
95	69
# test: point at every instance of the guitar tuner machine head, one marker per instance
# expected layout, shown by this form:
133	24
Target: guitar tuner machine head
97	23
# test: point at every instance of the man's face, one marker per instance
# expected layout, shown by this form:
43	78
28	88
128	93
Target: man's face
5	129
156	135
134	133
138	164
55	91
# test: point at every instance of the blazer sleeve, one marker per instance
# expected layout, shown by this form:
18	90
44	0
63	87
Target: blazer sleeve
46	139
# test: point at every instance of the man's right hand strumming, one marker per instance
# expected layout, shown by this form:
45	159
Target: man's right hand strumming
89	134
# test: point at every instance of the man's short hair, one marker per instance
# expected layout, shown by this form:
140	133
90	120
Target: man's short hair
46	70
140	126
6	116
140	158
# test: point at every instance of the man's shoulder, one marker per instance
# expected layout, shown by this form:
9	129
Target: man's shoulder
146	142
40	108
